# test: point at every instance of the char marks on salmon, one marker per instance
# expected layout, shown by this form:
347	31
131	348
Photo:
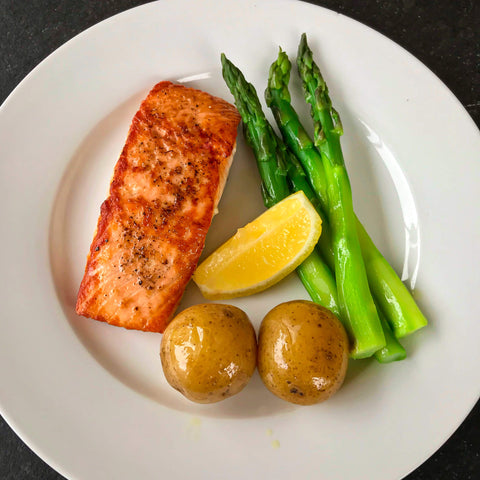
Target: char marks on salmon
163	195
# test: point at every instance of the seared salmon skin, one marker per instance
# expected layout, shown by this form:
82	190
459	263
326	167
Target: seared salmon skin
163	195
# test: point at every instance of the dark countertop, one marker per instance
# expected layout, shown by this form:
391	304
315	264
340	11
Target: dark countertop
443	34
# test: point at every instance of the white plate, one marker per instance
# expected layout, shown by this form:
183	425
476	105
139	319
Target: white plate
91	399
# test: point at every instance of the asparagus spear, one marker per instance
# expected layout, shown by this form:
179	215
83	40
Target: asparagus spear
356	302
259	135
393	350
389	291
319	282
403	315
296	137
315	276
395	300
272	161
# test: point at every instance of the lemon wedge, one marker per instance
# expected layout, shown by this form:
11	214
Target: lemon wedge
263	252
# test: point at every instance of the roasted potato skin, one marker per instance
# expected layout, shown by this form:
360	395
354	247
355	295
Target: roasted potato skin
302	352
208	352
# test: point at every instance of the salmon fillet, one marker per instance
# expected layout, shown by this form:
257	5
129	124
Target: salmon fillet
163	195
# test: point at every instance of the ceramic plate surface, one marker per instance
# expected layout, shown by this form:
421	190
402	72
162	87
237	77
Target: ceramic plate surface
91	399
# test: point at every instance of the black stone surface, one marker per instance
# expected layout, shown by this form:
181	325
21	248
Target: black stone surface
443	34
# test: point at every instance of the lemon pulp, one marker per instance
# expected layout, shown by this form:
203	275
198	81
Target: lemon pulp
263	252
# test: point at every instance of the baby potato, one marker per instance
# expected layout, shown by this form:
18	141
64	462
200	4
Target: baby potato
302	352
208	352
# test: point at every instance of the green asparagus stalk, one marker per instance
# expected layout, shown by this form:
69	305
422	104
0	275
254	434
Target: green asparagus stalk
393	350
356	302
259	135
318	281
395	300
272	158
296	137
387	288
403	316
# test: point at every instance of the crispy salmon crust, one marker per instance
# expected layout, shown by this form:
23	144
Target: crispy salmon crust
163	195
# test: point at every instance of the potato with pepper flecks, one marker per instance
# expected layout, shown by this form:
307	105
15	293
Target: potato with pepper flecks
302	352
208	352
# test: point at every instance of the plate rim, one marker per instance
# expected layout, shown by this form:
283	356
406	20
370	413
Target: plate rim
11	98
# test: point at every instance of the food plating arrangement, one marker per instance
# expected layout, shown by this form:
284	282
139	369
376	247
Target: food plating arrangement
152	228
